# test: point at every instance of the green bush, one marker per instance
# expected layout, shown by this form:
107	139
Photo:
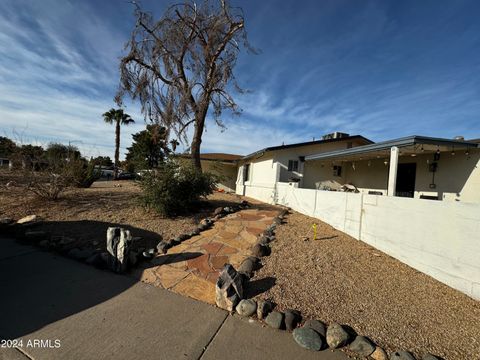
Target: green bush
174	188
84	175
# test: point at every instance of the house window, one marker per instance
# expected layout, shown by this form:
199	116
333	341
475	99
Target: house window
292	165
337	170
246	172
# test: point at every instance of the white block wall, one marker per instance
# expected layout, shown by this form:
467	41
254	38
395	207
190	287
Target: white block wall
438	238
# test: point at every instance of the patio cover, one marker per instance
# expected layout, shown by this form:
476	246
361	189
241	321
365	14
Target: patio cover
411	145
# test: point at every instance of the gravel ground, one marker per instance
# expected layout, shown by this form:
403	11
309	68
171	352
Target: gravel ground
338	278
85	214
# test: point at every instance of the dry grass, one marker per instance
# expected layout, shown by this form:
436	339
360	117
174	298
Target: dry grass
341	279
85	214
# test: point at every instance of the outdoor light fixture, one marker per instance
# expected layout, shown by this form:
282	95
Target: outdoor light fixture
422	149
467	153
413	155
385	162
453	150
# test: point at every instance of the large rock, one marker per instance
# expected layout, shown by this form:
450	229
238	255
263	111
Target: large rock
379	354
275	319
362	346
246	307
292	318
118	248
162	247
27	219
316	325
401	355
229	289
308	338
249	265
218	211
336	336
260	250
263	308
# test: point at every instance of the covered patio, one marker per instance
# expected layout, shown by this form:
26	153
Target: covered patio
414	166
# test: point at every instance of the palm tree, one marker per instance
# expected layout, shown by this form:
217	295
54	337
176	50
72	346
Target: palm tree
118	117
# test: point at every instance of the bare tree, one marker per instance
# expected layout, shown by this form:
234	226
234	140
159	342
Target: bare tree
181	64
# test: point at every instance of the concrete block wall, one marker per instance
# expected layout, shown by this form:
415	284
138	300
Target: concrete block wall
440	239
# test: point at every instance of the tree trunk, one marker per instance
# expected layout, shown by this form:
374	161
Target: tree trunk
197	135
117	148
195	150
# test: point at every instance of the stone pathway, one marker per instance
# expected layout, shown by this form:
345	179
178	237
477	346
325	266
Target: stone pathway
192	267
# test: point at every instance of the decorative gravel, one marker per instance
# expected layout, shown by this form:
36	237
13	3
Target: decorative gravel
339	279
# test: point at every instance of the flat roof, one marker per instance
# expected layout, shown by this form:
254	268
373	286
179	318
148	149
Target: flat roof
386	145
316	142
217	157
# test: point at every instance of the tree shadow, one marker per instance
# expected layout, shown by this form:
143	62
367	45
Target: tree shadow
40	287
257	287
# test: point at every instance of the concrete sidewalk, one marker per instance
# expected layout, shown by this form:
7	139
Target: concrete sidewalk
100	315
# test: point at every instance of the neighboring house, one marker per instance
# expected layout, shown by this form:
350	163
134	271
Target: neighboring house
259	172
223	165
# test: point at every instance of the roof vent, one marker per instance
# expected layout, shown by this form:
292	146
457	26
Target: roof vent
335	135
459	138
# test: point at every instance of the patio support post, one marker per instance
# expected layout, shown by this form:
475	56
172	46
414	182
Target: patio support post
392	175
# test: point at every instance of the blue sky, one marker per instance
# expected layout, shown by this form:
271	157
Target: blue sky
382	69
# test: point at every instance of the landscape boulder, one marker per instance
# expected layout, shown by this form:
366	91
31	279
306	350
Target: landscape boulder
218	211
292	318
336	336
27	219
401	355
249	265
260	250
379	354
275	319
229	289
308	338
316	325
118	248
264	307
246	307
162	247
362	346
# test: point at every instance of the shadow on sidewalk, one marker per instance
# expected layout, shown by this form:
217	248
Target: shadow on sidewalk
41	287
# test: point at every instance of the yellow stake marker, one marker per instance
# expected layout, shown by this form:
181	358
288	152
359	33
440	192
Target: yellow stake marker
314	226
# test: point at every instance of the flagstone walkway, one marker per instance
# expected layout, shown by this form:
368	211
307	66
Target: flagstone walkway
192	267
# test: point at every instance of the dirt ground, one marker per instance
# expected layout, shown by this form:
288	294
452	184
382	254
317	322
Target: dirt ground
85	214
338	278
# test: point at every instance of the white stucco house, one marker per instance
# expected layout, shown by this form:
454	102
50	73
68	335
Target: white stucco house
415	198
260	172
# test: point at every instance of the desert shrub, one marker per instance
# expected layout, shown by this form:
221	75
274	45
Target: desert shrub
49	182
80	174
174	188
45	184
